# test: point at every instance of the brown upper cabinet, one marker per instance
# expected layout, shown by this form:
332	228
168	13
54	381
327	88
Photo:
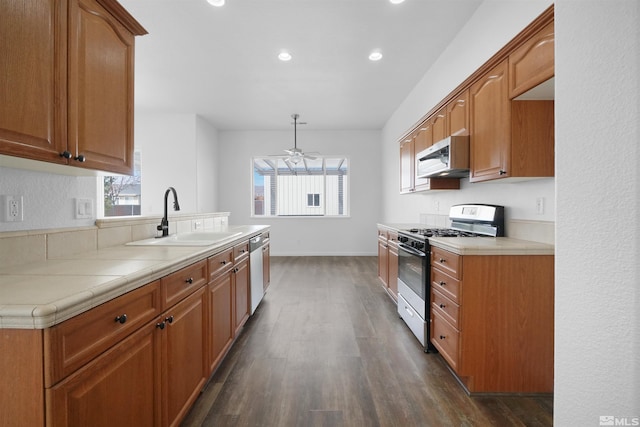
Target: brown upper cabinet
458	115
533	62
67	82
505	109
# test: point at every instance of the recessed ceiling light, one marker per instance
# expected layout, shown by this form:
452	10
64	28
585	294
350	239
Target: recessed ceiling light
218	3
376	55
396	1
284	56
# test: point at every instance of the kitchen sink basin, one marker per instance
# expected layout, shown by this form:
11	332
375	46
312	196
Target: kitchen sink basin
201	238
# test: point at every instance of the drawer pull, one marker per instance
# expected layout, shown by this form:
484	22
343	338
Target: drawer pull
223	262
121	319
169	319
442	306
189	280
442	283
442	260
160	325
442	337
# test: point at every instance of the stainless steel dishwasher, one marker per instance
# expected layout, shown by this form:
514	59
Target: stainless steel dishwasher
257	275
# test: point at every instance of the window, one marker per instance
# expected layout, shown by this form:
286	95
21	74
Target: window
122	195
312	187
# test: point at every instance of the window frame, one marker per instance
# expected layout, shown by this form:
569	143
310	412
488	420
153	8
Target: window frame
322	196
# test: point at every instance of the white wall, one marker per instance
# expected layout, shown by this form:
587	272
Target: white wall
491	27
354	235
177	150
597	339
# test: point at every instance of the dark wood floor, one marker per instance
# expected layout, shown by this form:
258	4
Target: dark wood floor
326	348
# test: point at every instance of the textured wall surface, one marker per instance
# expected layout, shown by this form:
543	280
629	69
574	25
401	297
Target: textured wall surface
48	199
597	342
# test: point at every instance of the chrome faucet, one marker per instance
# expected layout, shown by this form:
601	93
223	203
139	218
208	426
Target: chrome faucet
164	224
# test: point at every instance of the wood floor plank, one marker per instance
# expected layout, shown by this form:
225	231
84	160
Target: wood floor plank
327	348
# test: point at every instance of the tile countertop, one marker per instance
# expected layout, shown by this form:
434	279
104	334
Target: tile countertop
40	295
482	245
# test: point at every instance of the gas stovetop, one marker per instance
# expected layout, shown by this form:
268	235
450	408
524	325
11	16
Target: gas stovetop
440	232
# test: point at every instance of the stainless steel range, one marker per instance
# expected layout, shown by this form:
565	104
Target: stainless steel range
414	290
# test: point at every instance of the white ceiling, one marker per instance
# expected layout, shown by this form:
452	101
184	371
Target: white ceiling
221	63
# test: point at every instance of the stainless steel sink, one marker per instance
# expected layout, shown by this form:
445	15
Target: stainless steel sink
200	238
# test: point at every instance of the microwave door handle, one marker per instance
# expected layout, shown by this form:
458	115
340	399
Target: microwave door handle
411	250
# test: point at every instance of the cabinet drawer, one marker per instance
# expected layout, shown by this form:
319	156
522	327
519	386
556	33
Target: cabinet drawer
445	307
78	340
445	284
182	283
446	339
446	261
220	263
240	251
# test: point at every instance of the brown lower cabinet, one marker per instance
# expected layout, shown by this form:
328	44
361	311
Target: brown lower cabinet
140	359
492	320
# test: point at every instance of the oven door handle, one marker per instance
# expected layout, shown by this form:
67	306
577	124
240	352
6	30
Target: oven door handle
411	250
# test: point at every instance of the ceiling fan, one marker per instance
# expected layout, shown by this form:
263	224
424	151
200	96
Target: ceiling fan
295	155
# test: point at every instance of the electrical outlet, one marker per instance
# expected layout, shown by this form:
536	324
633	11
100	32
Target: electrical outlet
13	209
540	205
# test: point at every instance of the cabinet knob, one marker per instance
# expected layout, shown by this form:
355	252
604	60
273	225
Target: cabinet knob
502	172
442	337
442	306
66	154
168	319
189	280
80	157
160	325
442	260
121	319
442	283
223	262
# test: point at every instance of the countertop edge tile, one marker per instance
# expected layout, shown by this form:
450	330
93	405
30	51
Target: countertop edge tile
45	315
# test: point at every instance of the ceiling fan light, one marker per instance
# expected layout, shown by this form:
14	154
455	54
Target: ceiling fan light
295	159
376	55
216	3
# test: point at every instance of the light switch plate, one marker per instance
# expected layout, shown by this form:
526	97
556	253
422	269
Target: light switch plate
84	208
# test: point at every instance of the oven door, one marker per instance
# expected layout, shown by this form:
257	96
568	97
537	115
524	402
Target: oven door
412	270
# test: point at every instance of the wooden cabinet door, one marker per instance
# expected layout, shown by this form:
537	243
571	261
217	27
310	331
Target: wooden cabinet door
423	139
185	367
221	322
101	60
439	125
393	270
383	261
119	388
458	115
241	294
490	125
33	107
533	62
407	171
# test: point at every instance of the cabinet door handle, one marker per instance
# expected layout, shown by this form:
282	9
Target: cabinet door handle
66	154
121	319
442	306
189	280
168	319
442	260
442	283
160	325
442	337
80	157
502	172
223	262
